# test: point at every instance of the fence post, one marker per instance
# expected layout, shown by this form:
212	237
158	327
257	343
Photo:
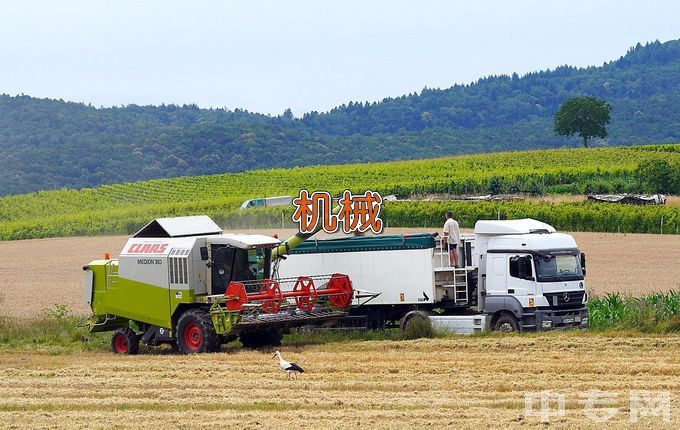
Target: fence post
661	228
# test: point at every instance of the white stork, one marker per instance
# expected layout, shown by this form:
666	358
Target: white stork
289	368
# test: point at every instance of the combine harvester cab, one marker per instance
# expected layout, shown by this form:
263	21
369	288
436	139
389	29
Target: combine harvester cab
182	281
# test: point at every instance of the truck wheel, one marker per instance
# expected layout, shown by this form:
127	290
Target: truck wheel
261	338
125	341
196	333
416	325
506	324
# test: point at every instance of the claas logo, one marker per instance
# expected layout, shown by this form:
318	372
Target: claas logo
147	248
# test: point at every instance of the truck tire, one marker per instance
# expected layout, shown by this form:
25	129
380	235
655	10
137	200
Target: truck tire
416	324
196	333
506	323
261	338
125	341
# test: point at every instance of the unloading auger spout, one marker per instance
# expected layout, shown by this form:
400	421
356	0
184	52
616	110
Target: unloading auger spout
279	253
294	241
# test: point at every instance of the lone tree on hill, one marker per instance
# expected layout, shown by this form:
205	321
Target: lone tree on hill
586	116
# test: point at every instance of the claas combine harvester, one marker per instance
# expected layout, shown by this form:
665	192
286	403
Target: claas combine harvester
182	281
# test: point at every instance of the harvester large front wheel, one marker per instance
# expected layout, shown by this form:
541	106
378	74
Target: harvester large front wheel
125	341
196	333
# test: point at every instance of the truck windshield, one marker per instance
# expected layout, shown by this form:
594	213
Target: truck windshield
553	268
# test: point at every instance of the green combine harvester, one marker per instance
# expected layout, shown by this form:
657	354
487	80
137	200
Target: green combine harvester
182	281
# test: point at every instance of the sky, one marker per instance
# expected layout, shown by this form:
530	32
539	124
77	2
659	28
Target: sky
266	56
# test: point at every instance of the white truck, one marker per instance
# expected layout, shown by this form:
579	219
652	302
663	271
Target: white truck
515	275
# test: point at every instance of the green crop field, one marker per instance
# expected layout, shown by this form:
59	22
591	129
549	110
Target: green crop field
122	208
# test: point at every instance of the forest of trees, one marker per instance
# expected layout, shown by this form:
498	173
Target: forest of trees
49	144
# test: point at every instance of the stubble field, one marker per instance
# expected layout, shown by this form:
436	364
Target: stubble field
457	382
451	382
40	273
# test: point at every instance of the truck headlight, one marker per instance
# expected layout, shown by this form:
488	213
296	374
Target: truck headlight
584	321
546	324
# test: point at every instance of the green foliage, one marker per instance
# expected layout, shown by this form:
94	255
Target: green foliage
419	328
586	116
655	313
638	86
305	336
659	175
49	144
124	208
606	311
580	216
56	329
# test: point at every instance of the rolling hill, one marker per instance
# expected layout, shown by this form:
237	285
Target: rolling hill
124	208
52	144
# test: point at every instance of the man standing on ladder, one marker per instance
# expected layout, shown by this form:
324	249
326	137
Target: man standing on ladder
452	238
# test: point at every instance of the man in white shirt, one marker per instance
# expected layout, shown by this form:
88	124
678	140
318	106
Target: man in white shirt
452	238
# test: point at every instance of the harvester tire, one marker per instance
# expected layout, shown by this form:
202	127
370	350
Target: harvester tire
125	341
261	338
196	333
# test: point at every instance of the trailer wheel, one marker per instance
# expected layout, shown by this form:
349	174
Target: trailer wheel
125	341
261	338
506	323
196	333
416	325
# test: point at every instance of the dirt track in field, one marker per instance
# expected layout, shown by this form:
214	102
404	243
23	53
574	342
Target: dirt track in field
444	383
38	274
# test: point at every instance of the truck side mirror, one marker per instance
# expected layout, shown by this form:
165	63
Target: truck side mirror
525	268
583	263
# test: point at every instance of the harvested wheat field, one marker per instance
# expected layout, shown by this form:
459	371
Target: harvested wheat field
50	269
454	382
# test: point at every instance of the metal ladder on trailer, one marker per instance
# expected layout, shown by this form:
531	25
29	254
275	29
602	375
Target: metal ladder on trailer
459	282
459	285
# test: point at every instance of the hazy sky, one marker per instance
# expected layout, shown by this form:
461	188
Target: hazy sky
306	55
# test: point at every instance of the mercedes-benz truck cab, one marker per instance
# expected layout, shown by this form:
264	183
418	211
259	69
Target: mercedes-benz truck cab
528	270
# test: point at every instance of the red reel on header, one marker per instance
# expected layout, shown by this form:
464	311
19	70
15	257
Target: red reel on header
236	296
305	291
271	296
339	291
